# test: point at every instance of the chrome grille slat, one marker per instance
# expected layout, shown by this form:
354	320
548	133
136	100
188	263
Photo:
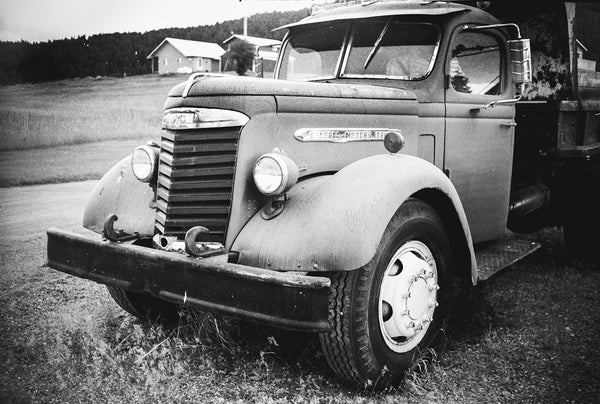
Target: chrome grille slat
195	181
200	172
192	209
197	197
196	148
205	136
197	160
192	184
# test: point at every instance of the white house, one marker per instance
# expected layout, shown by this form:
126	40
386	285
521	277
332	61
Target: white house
582	63
266	51
184	56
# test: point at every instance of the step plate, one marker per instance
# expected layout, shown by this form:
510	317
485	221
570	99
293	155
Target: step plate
495	256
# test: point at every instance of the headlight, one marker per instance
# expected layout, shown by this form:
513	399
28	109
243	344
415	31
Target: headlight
275	173
144	163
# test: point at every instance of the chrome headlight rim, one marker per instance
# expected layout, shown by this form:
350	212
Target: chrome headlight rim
152	156
287	168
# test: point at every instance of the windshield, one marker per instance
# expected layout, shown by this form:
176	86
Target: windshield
376	49
312	55
391	50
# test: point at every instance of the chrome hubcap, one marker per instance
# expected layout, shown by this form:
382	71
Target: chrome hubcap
408	296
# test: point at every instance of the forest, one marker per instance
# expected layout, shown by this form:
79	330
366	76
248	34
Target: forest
119	54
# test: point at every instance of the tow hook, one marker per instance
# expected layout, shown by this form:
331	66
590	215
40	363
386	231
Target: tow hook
200	248
109	233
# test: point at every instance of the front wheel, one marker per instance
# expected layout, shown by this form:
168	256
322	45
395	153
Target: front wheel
385	315
144	307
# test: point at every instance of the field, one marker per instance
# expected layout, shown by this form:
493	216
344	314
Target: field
82	111
42	125
529	334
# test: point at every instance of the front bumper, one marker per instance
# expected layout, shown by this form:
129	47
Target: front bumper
280	299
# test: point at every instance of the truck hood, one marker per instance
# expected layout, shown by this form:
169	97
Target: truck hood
219	86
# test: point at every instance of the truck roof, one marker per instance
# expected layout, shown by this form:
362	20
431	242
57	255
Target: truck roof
384	8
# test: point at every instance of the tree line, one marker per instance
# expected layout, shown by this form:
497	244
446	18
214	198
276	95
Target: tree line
119	54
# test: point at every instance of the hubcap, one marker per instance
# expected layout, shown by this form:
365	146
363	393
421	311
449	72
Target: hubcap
408	296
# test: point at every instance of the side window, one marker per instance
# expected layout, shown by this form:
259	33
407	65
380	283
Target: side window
475	64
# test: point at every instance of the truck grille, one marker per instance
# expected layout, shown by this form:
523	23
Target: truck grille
195	180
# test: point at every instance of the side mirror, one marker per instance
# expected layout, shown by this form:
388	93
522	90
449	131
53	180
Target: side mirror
520	61
520	67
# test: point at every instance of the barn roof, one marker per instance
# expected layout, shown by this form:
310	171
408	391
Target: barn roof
192	48
256	41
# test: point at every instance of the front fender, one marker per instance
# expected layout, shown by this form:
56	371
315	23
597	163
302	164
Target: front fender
121	193
334	223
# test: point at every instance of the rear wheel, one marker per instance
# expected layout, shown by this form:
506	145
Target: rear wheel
386	315
582	212
143	306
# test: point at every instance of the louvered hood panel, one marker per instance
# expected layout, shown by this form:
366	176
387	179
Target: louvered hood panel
195	181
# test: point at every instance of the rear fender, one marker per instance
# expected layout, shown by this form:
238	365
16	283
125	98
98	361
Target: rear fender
335	222
121	193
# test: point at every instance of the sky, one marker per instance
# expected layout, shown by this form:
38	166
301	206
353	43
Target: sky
43	20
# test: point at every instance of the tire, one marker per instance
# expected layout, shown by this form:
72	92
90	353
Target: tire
373	342
145	307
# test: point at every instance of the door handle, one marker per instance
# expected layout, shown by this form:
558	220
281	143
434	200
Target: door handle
509	124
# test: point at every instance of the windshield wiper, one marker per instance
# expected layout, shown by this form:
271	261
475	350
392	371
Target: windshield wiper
376	46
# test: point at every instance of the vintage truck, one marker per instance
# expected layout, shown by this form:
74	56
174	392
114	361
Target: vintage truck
386	158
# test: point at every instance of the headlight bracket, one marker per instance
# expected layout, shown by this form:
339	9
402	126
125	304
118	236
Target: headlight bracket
273	207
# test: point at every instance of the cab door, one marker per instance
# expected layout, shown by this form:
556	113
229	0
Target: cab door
479	142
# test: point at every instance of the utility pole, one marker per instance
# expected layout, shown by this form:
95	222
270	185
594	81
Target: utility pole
245	21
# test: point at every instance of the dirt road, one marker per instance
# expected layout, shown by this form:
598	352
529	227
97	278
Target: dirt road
29	296
27	212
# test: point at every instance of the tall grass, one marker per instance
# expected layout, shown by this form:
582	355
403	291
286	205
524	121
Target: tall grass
109	356
113	357
81	111
36	129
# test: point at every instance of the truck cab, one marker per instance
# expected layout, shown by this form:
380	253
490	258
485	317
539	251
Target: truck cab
341	197
452	71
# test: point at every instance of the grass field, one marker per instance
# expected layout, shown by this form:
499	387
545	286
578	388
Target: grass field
63	163
530	334
82	111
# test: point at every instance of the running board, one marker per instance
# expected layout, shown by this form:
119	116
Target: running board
494	256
